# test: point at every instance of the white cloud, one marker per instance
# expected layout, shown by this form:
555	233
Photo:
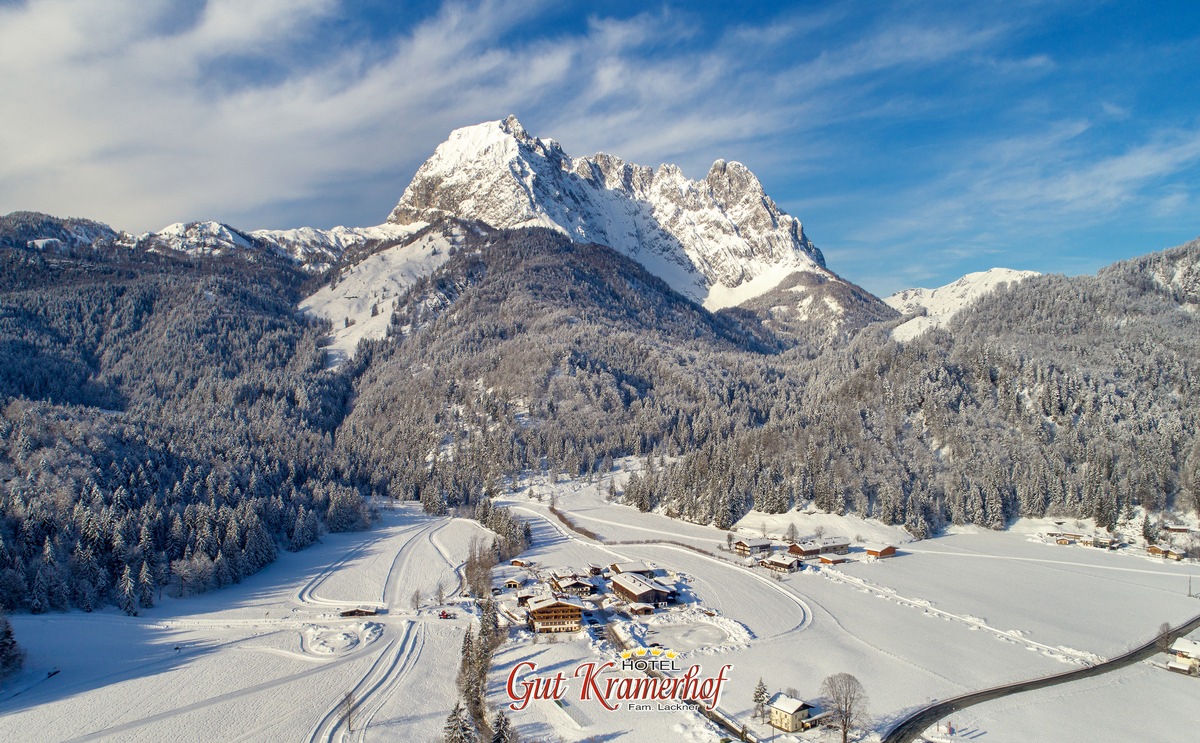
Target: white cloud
123	118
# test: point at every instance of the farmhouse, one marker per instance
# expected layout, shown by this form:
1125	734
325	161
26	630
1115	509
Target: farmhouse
808	550
781	563
752	546
788	713
1156	551
835	546
1104	543
635	589
553	614
1186	656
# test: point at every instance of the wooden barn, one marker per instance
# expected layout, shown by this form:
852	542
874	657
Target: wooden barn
807	550
781	563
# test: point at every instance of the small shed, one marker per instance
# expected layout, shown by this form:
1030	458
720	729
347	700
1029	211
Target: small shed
639	609
880	551
360	611
514	583
833	559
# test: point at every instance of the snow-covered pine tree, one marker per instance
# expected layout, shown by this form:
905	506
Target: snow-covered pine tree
503	730
760	698
127	593
458	727
11	656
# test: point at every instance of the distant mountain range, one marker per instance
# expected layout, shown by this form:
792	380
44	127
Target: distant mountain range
176	405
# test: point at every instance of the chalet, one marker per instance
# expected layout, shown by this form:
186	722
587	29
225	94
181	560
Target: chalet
788	713
360	611
808	550
833	559
1174	554
1178	529
1104	543
635	589
835	546
636	568
880	551
1063	539
553	614
1186	654
1087	541
639	609
518	562
1155	551
781	563
752	546
575	586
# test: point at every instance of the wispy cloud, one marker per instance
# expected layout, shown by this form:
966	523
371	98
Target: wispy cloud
902	133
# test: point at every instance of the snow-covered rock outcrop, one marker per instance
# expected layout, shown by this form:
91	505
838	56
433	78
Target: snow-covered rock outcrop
720	241
942	304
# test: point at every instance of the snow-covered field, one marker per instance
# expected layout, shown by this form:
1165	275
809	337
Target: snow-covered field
270	659
1139	703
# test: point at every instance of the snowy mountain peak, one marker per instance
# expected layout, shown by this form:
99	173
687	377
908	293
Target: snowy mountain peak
942	304
708	239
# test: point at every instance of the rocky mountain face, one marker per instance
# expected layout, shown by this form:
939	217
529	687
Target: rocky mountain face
719	241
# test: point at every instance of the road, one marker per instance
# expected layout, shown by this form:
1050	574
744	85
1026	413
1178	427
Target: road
909	730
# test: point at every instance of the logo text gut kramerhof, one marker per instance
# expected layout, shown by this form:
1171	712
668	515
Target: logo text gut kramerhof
663	682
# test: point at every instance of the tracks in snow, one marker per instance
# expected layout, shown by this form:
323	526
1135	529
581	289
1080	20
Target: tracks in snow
372	691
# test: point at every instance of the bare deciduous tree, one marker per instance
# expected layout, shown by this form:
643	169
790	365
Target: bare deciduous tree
415	601
846	700
1164	637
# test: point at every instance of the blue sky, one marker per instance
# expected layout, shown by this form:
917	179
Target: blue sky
917	141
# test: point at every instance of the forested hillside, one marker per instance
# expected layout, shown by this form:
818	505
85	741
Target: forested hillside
164	422
171	421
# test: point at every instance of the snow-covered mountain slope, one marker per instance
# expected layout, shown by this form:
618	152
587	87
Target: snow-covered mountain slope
818	308
314	249
720	241
359	301
318	249
38	231
942	304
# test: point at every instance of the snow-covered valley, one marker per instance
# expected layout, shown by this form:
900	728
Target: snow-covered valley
272	659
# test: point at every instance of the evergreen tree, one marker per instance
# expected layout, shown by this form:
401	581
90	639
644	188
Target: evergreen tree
760	698
11	656
458	727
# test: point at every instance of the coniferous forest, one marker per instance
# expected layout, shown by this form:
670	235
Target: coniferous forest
168	423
